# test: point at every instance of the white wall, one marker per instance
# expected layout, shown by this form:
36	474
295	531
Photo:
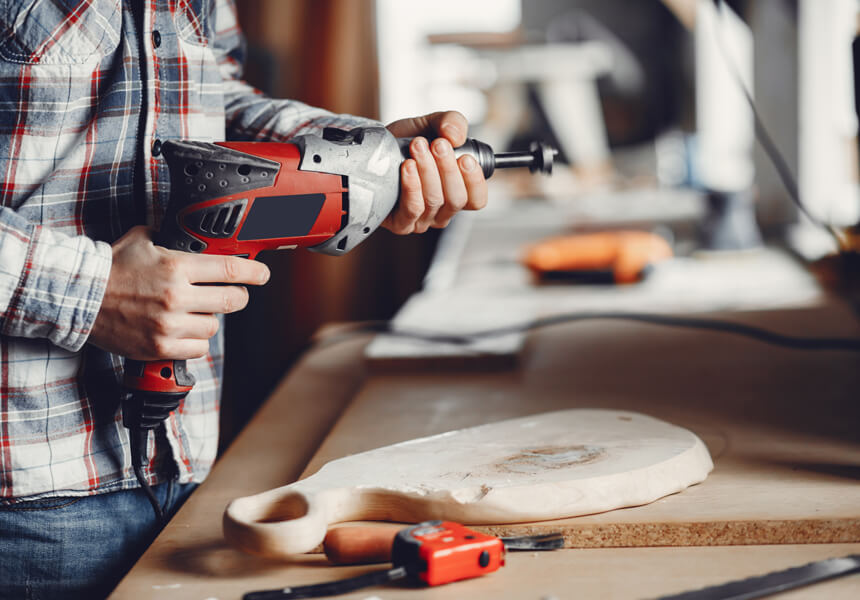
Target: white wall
415	79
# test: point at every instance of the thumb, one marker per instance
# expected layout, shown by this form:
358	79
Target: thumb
448	124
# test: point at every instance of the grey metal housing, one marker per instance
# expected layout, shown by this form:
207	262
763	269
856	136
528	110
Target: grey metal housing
370	159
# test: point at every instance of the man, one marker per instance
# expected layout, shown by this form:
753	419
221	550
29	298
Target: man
88	92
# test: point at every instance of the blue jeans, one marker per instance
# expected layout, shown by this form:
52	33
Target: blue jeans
78	547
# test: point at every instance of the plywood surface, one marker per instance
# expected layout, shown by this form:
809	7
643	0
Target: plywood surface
601	573
782	426
810	449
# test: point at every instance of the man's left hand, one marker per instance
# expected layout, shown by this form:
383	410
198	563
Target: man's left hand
434	185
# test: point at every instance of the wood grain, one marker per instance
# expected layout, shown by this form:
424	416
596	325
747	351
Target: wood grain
544	466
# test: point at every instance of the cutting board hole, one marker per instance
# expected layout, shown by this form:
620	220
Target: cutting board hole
292	506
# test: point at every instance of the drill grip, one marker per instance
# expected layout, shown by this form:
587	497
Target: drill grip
156	389
166	376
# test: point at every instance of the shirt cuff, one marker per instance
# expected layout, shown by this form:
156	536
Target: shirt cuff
62	284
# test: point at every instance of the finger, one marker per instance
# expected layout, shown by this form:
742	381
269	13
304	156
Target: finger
451	125
453	186
221	299
476	185
431	183
411	203
182	349
204	268
194	327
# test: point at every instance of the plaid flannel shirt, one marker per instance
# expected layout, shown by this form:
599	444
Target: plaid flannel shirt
87	87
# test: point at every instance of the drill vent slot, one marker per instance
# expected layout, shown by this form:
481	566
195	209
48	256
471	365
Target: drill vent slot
206	221
233	220
218	221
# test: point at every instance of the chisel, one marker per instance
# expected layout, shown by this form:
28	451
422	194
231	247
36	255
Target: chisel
357	545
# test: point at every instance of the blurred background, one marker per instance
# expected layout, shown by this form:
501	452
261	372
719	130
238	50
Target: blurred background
645	101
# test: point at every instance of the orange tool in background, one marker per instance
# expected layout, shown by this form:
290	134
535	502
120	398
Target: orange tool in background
600	257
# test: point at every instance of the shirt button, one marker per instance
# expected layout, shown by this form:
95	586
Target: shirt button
156	148
156	38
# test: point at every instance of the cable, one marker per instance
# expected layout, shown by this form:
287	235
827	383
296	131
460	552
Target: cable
150	495
763	135
137	437
718	325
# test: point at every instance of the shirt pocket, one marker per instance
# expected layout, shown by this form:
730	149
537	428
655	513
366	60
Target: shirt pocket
194	21
58	31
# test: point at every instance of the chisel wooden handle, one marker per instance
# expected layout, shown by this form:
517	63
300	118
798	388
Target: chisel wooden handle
356	545
360	545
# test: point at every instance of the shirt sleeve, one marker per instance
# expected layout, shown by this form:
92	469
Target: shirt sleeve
252	116
51	284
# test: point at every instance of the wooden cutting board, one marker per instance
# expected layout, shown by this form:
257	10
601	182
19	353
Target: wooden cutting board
546	466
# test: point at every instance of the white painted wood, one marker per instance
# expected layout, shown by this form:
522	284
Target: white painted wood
469	313
546	466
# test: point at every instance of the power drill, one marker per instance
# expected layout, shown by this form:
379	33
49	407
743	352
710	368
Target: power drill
325	193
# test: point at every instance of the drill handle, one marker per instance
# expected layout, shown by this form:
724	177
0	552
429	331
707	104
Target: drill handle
155	390
170	376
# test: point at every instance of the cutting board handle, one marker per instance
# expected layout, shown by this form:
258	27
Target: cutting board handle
281	522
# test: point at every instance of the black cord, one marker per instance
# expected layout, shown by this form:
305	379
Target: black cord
718	325
137	437
763	135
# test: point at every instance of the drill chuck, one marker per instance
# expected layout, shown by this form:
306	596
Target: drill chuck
538	158
481	152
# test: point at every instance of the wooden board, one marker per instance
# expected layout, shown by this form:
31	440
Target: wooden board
470	313
781	425
545	466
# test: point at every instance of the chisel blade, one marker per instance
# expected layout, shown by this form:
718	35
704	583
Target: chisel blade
772	583
546	541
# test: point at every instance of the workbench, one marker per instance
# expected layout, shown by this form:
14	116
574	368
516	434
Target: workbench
783	428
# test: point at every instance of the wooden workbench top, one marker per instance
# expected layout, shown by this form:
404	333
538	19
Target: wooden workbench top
781	425
807	400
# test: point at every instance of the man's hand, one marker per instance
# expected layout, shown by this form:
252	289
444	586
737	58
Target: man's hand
151	308
434	186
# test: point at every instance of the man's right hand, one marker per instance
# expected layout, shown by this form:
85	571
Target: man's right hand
152	309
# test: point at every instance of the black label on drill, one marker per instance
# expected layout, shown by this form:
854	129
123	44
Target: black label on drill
273	217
